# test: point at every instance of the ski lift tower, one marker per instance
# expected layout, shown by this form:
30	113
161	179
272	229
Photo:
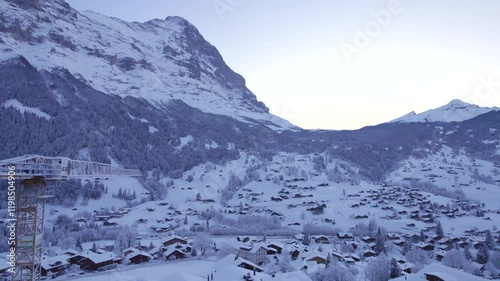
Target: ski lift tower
36	177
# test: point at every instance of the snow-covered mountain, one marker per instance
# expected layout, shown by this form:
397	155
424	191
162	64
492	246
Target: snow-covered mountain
158	60
455	111
77	84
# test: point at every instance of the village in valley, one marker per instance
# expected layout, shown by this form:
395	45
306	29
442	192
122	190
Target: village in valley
297	216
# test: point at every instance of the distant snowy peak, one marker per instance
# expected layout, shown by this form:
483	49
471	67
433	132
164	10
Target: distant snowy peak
455	111
158	60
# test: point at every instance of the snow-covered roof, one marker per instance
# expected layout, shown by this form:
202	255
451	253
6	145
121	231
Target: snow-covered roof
319	255
257	247
233	260
351	255
99	258
441	271
172	237
312	266
171	251
72	252
51	262
253	248
137	253
154	250
130	249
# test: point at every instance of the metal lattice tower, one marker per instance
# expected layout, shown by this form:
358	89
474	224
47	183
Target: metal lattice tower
36	177
29	228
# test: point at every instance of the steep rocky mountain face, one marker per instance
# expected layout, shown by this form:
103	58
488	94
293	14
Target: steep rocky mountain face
158	60
158	97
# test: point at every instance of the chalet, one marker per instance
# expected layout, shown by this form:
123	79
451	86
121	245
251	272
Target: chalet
322	240
440	255
274	247
318	259
73	257
337	256
109	223
399	242
354	257
250	266
256	253
329	220
425	246
94	261
174	239
138	257
368	239
477	244
174	254
393	236
361	217
237	261
353	244
109	246
318	209
369	253
439	272
101	218
445	244
405	266
345	236
244	239
128	251
463	244
428	220
186	248
53	265
295	254
413	237
157	252
349	261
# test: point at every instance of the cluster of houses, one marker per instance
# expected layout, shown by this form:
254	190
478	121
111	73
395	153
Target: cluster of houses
439	272
107	218
306	258
171	248
56	265
250	254
411	198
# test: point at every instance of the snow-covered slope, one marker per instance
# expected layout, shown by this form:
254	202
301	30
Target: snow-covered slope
455	111
158	60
